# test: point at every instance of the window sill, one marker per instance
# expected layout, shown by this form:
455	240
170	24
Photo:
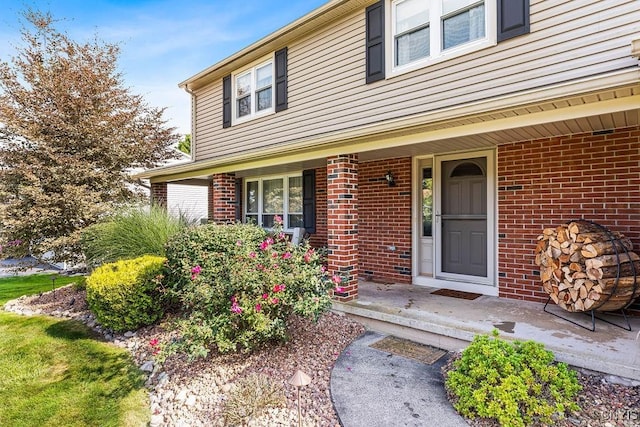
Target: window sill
239	121
449	54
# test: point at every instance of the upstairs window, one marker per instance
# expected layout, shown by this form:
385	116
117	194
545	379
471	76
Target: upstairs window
423	30
253	91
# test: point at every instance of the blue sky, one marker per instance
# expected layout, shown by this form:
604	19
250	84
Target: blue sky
163	42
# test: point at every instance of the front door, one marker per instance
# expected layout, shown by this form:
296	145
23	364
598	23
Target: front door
463	219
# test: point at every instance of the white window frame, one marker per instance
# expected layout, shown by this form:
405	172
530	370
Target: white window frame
285	198
436	51
252	69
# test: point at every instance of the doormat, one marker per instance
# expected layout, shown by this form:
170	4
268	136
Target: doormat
409	349
456	294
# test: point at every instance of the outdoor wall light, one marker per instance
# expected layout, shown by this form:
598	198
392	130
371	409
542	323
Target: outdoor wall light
299	379
391	180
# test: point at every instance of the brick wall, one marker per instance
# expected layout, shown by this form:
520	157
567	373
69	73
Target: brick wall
547	182
384	220
319	238
159	193
222	198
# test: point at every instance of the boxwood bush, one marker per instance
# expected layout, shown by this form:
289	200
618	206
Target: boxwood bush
238	284
126	294
518	384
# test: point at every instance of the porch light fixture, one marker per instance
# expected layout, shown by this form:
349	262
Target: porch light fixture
391	180
299	379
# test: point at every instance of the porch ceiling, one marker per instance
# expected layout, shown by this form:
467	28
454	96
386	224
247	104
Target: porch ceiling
527	132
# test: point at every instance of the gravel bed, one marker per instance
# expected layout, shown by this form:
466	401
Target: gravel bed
194	393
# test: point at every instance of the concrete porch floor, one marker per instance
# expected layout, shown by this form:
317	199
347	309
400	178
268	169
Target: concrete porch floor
413	312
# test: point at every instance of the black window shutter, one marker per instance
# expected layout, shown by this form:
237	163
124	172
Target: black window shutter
238	201
513	18
375	42
281	80
309	200
226	102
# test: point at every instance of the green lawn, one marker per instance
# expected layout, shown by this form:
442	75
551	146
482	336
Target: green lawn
56	373
16	286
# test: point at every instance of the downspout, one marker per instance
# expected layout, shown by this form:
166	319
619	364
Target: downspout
194	99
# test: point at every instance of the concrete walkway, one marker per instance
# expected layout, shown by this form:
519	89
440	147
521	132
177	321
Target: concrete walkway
373	388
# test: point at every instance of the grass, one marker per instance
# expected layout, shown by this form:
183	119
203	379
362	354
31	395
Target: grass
16	286
57	373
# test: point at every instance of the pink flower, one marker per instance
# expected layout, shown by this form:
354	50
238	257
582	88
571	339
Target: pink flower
265	296
278	288
278	219
265	245
323	269
308	255
339	289
258	308
252	254
239	243
153	342
274	254
195	271
336	279
275	301
286	255
235	308
275	266
281	236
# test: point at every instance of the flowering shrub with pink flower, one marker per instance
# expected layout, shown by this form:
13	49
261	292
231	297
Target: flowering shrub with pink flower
237	285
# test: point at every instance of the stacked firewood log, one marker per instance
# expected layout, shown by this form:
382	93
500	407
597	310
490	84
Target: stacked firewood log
584	266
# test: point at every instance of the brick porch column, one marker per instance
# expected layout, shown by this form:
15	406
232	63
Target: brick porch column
342	222
159	194
222	198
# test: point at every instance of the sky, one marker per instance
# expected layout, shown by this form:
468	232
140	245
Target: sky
163	42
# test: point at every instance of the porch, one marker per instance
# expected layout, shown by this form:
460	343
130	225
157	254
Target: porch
415	313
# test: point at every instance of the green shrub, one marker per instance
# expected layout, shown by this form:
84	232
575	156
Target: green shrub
238	285
126	294
130	233
517	384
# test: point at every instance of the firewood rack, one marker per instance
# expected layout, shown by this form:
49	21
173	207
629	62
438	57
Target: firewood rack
619	247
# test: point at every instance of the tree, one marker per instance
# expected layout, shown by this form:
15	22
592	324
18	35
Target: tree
185	144
69	132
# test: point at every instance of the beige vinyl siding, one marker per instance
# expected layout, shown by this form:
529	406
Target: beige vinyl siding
569	40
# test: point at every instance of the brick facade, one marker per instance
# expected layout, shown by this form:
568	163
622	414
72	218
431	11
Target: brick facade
222	198
159	193
547	182
342	221
384	221
319	238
